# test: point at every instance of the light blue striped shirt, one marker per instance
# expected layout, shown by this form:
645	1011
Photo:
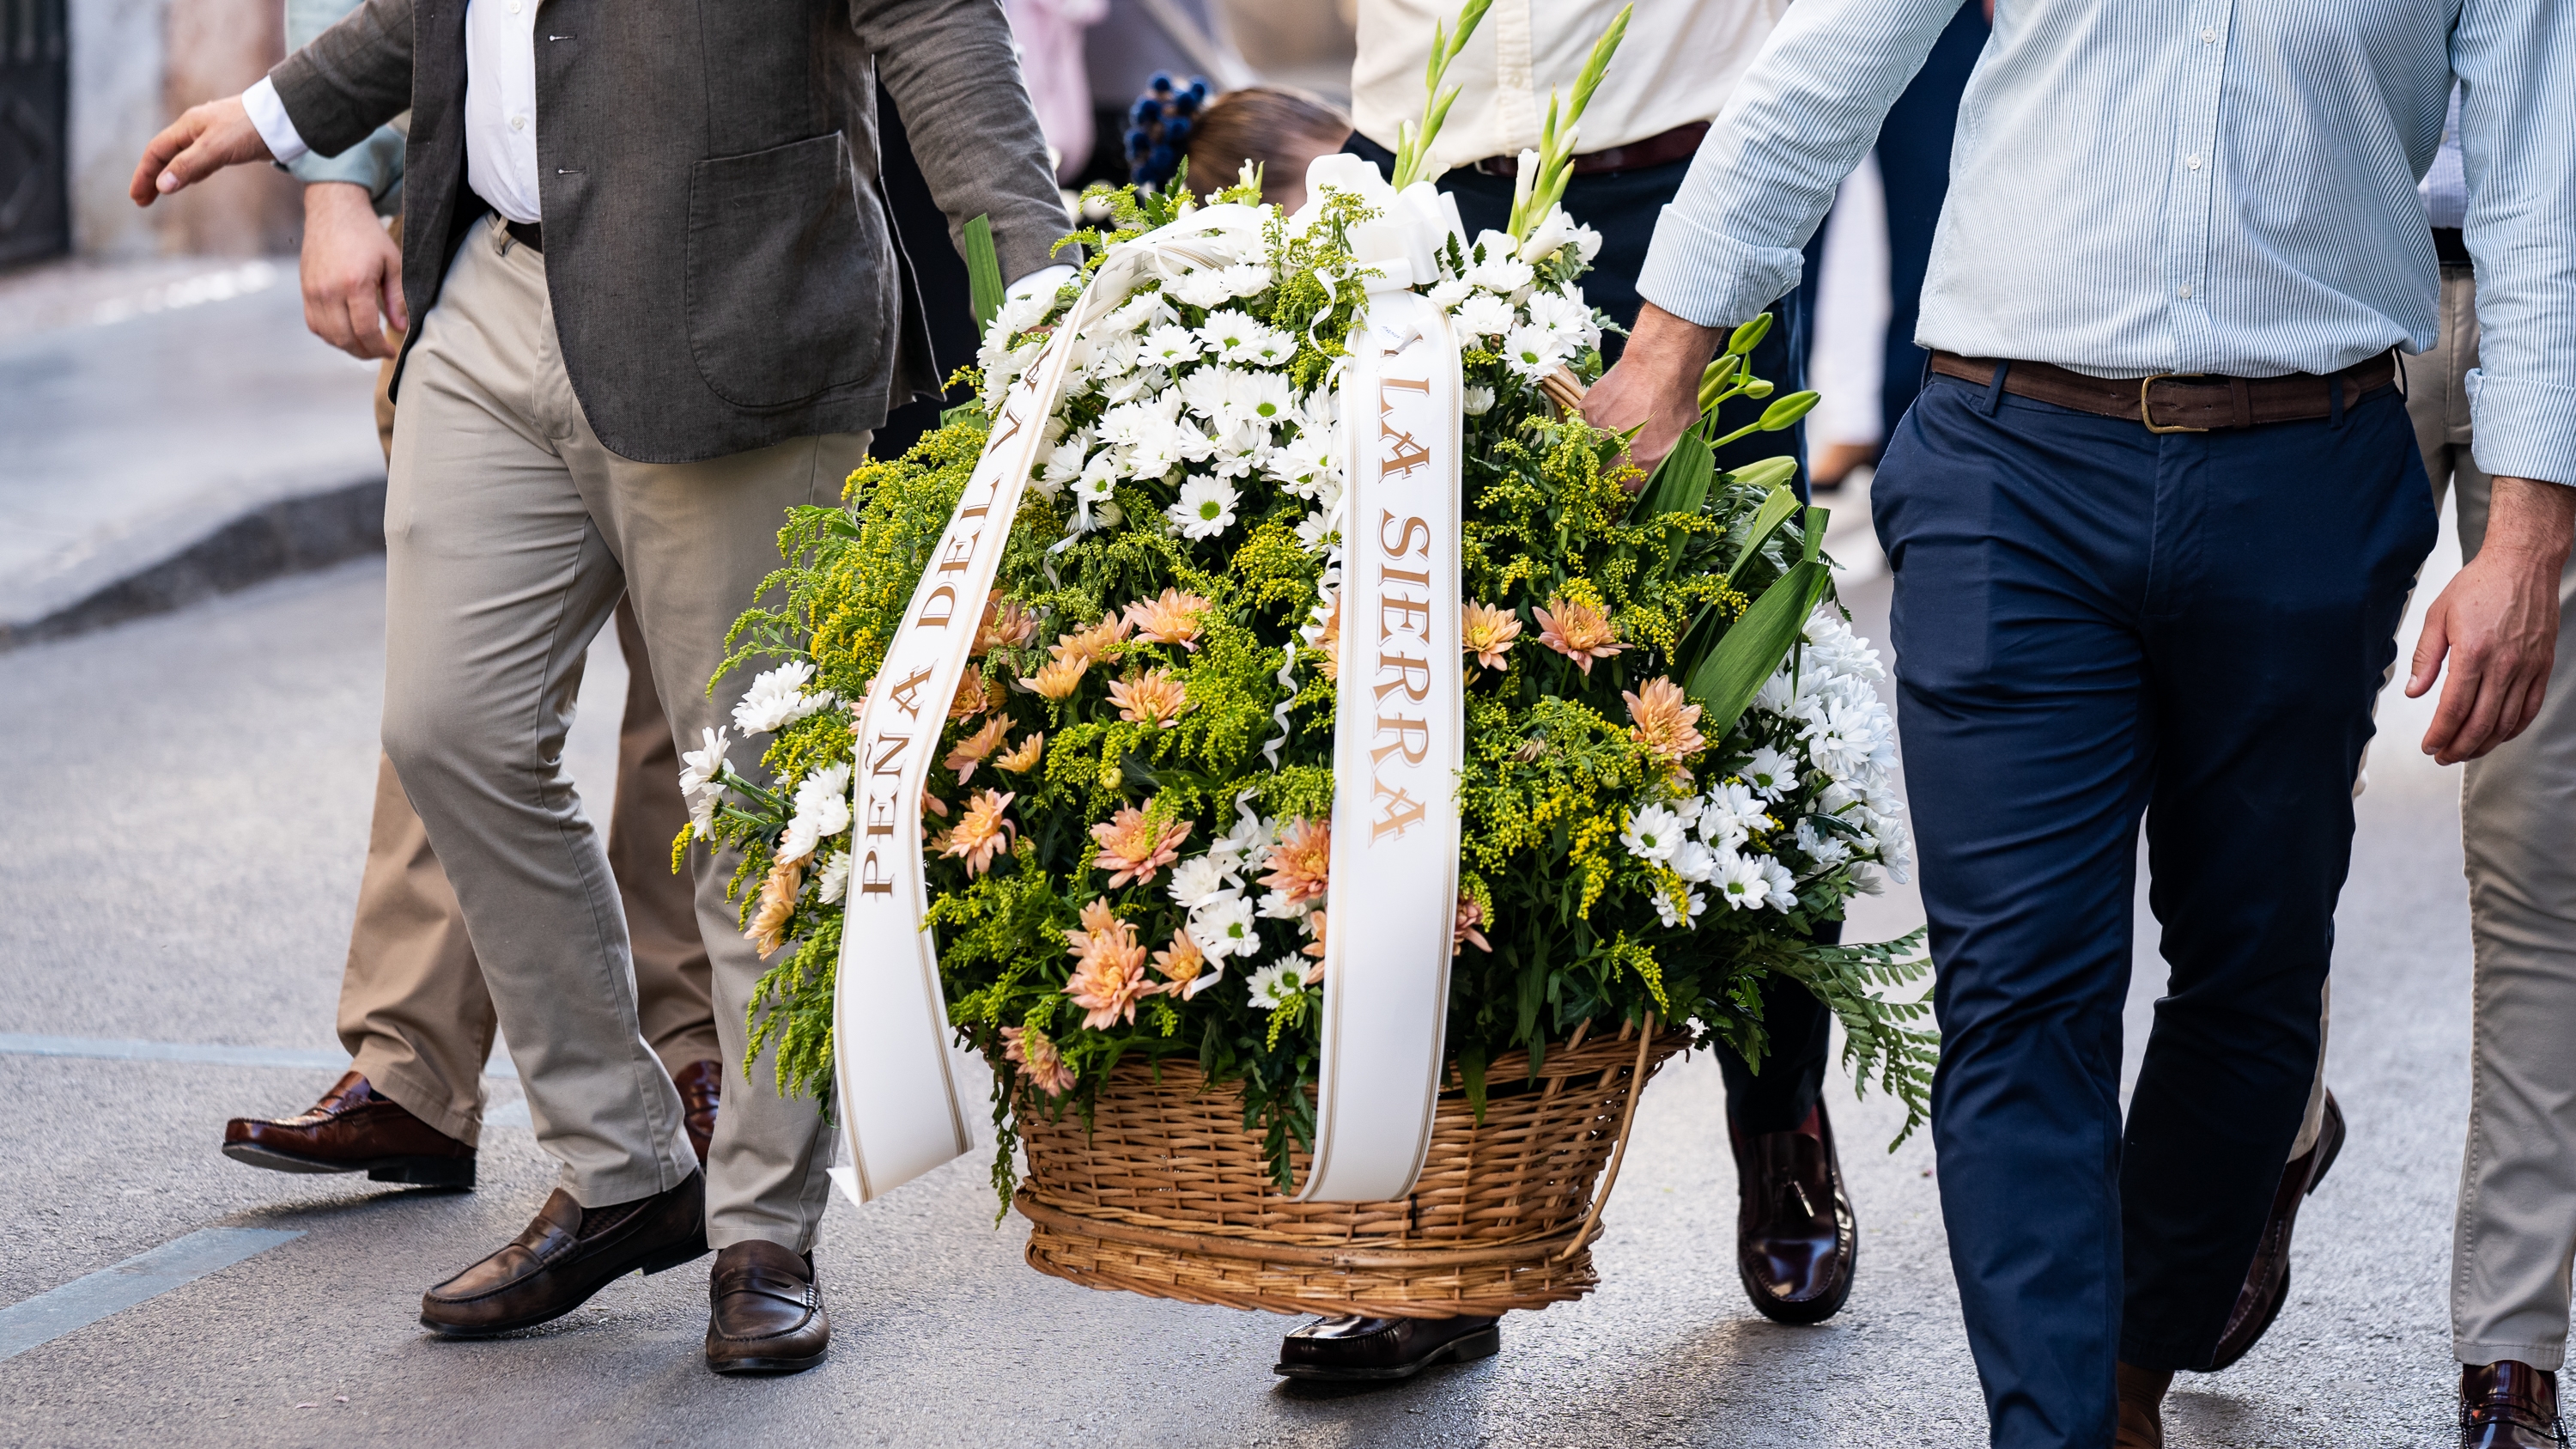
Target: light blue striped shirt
2214	186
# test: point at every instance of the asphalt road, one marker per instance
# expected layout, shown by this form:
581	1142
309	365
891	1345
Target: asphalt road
186	814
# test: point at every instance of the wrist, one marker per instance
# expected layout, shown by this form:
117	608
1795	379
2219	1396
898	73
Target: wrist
2531	521
1666	344
334	200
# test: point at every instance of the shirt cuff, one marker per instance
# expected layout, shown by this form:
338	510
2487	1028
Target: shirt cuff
1044	279
2523	428
268	114
1713	280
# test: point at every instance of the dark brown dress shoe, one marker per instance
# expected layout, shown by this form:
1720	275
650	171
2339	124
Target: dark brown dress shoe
701	1087
568	1253
2509	1405
1353	1350
1796	1240
352	1129
2142	1408
765	1314
2267	1282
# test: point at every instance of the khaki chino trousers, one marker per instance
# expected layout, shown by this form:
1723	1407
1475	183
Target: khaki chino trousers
2514	1237
510	534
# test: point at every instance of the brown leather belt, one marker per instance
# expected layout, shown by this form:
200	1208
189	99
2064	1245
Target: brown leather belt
2180	402
1678	144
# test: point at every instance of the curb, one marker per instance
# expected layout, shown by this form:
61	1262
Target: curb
289	536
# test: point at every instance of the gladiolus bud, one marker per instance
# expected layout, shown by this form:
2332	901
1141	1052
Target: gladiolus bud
1786	411
1759	388
1750	335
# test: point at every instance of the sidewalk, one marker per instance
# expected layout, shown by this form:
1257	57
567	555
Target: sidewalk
170	431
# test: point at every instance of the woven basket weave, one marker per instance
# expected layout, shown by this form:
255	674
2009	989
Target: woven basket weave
1168	1195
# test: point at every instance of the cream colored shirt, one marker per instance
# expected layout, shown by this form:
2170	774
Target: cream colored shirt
1678	63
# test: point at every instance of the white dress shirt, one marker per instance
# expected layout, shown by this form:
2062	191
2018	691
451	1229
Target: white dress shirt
1677	64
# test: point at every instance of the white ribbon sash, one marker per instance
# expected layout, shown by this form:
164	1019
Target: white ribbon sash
899	1109
1399	733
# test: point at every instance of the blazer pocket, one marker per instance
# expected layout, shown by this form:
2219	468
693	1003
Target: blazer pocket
788	274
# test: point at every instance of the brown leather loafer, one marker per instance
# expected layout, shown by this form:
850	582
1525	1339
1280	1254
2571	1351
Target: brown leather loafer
2509	1405
352	1129
568	1253
2267	1282
1379	1350
2142	1408
701	1087
765	1313
1796	1239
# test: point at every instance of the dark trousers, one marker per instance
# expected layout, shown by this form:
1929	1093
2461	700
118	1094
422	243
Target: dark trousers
1623	207
2094	622
1914	169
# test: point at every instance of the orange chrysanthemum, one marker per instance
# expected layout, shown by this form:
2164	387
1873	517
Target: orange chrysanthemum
975	748
1156	697
1092	644
971	698
1578	631
1022	757
1004	625
1184	967
1489	633
768	929
1057	680
1471	920
1131	846
1171	619
984	832
1330	641
1666	723
1109	974
1041	1065
1315	948
1301	864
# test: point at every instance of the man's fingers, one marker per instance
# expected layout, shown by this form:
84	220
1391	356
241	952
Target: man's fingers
366	334
2429	649
2486	714
397	316
173	139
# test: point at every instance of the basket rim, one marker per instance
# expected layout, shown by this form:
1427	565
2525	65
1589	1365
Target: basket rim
1552	1247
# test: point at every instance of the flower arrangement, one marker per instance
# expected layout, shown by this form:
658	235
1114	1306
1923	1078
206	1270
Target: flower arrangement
1676	762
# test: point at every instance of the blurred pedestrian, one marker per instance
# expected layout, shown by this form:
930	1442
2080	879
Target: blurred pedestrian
1797	1236
2514	1236
2153	523
1275	129
414	1014
657	307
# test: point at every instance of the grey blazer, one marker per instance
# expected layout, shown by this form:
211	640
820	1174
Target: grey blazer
719	253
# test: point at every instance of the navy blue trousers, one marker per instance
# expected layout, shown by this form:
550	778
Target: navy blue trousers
2095	623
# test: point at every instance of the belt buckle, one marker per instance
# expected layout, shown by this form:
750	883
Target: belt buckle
2147	415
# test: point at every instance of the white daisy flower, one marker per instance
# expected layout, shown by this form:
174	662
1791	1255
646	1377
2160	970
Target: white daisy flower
1197	881
1733	814
1740	883
1222	927
776	699
1694	862
698	771
1694	904
1501	270
1138	313
1204	288
1770	774
1273	985
1826	850
1653	833
1565	315
833	881
1315	532
1247	841
1205	509
1478	401
1264	398
1448	292
825	796
1237	337
1249	279
1782	889
1172	344
1533	352
1487	315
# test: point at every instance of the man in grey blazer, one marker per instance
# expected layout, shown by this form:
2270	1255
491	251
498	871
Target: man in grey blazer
658	303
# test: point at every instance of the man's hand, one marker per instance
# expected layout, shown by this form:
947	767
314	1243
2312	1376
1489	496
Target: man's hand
1656	384
2498	621
204	140
350	268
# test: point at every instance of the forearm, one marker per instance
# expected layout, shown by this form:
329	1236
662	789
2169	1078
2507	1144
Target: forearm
953	74
1799	121
375	164
2530	524
2518	153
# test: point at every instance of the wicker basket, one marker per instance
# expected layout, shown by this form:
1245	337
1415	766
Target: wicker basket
1166	1194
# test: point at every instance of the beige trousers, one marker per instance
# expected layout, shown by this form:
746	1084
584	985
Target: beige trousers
2514	1237
414	1013
510	533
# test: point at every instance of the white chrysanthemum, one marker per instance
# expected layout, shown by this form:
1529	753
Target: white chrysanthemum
1064	464
1204	288
1240	339
1534	352
1653	833
1782	887
1140	312
1263	398
822	811
1770	774
1487	315
1021	313
1316	532
1895	846
1172	344
1205	509
1827	850
1694	862
1833	647
1448	292
1302	465
1695	904
698	771
1851	741
1501	270
1273	985
1222	927
833	882
1202	392
1732	815
1740	883
777	699
1276	906
1477	401
1248	279
1247	841
1565	314
1140	383
1197	881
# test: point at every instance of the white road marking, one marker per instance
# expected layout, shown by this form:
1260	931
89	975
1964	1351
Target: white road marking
84	1301
22	1044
